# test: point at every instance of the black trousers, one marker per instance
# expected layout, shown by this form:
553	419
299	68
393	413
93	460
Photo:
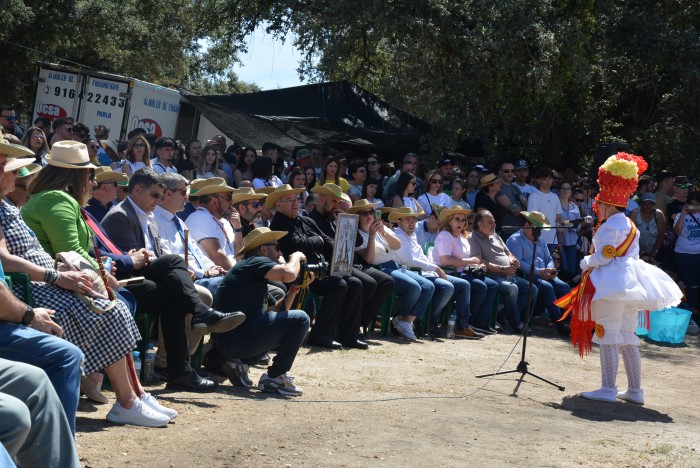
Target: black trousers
168	290
376	287
342	299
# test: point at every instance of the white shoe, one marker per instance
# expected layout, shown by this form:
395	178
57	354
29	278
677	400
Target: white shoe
405	329
138	415
693	328
608	394
282	385
150	401
635	395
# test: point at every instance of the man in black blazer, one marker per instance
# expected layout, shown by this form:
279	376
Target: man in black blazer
169	290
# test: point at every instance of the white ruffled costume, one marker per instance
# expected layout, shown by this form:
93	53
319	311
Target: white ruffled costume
623	285
627	280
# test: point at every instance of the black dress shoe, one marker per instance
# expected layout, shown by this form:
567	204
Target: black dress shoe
324	342
213	321
505	328
191	382
354	343
483	327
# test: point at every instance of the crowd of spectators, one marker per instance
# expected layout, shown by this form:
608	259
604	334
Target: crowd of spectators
213	237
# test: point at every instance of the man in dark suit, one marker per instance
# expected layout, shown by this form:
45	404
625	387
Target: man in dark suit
170	290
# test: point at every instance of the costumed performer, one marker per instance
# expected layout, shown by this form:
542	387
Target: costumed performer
616	284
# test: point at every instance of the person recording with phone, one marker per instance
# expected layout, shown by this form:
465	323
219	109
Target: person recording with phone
549	286
687	250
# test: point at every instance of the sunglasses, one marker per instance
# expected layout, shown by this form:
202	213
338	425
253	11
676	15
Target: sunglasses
460	220
366	213
254	204
38	136
10	118
435	181
139	145
94	147
580	200
156	195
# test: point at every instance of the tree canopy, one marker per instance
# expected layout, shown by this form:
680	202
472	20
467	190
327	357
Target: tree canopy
548	80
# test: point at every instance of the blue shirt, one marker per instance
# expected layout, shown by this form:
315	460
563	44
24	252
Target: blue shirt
521	247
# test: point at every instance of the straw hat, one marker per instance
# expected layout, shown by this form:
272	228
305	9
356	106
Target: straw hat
362	205
105	173
536	218
488	179
17	163
197	184
265	190
401	213
329	190
109	144
387	209
246	193
280	192
30	169
445	213
258	237
69	155
12	150
210	186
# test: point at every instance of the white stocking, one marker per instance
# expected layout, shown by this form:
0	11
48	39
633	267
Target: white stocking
608	365
633	366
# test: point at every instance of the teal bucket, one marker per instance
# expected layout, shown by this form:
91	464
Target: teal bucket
668	325
642	323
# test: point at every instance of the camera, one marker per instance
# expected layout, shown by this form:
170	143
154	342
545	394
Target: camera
320	271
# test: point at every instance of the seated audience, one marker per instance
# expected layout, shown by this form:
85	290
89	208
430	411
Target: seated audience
104	195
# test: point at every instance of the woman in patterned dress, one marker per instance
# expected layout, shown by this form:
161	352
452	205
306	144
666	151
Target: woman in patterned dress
106	339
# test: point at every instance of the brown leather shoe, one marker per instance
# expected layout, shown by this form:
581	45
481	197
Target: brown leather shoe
469	334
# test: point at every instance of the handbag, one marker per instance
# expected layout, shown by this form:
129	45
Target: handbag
476	272
97	299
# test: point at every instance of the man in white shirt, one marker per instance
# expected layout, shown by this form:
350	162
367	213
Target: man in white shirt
427	230
446	287
216	225
522	171
547	203
165	154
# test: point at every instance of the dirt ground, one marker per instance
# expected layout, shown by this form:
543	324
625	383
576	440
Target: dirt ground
401	404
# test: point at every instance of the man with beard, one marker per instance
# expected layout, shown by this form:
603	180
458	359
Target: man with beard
249	207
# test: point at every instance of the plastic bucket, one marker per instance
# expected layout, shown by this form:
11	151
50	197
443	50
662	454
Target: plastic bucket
641	323
668	325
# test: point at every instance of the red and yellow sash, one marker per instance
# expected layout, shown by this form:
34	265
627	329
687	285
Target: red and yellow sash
579	300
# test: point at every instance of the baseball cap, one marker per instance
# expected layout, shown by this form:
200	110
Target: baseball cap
521	163
444	162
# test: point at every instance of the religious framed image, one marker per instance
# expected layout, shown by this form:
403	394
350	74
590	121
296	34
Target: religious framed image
344	249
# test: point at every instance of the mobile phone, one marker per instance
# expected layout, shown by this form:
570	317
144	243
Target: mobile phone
378	214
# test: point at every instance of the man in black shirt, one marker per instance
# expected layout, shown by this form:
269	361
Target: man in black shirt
376	285
263	329
342	296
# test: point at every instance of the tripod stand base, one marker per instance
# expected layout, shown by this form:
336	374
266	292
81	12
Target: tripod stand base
522	369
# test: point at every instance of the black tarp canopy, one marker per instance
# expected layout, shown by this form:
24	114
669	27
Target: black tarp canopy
336	114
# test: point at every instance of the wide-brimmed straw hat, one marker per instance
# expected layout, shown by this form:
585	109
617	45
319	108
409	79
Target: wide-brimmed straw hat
12	150
265	190
246	193
258	237
445	213
105	173
29	169
401	213
17	163
329	190
197	184
280	192
69	155
111	144
362	205
536	218
210	187
387	209
488	179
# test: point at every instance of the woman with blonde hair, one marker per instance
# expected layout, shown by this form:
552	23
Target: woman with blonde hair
138	155
452	251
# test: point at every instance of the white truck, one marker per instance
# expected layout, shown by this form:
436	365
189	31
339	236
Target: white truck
94	98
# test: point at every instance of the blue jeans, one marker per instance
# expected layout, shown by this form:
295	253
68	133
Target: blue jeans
568	259
455	289
689	270
415	291
212	284
482	296
55	356
262	332
514	296
550	291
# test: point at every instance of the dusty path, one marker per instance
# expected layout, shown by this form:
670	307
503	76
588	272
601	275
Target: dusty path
404	404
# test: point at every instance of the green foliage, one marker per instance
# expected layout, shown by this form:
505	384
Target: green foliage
160	41
548	80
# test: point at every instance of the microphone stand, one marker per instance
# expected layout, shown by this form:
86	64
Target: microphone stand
522	367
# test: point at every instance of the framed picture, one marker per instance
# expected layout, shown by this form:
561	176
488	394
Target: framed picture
344	249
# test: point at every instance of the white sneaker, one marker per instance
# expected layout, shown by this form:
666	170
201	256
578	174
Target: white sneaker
608	394
693	328
150	401
635	395
138	415
405	329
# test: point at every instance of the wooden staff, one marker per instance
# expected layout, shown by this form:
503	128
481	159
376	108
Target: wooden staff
103	273
187	248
